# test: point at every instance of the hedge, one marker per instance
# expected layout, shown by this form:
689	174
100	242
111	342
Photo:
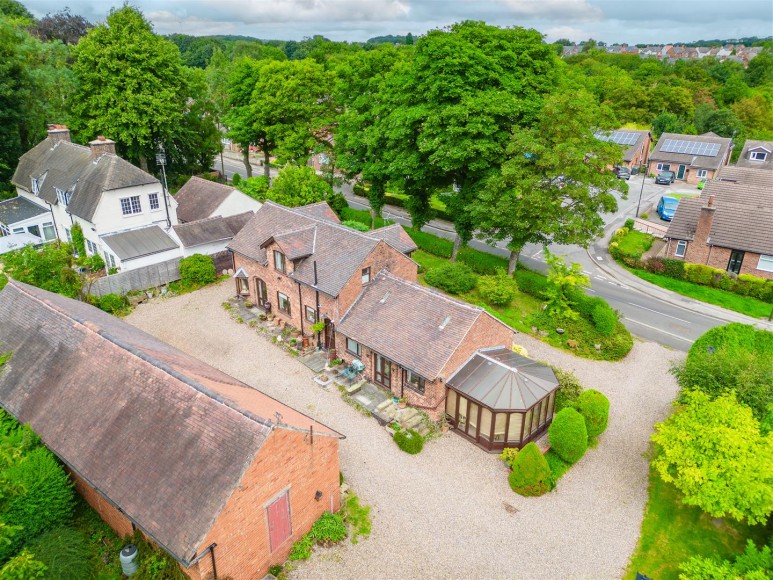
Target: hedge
531	474
568	435
594	407
530	282
431	244
454	278
409	441
197	270
604	319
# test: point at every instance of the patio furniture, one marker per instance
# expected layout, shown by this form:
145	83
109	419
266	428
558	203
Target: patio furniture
352	370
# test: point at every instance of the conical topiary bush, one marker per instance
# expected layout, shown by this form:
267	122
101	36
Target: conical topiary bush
531	474
568	435
594	407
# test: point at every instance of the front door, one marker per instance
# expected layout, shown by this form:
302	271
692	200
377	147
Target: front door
680	172
736	259
330	334
262	292
383	371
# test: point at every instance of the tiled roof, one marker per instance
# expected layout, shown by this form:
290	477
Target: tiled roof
396	236
742	218
140	242
320	210
414	326
633	149
504	380
70	168
296	244
338	251
199	198
18	209
750	145
697	161
757	176
163	436
212	229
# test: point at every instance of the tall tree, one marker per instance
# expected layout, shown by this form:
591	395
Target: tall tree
132	86
555	182
457	102
62	25
14	92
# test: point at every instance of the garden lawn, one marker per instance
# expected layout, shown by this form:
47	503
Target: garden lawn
363	216
635	243
672	533
743	304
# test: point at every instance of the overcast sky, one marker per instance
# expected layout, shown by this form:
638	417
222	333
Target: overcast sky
612	21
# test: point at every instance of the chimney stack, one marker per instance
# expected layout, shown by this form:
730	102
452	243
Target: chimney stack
101	146
57	133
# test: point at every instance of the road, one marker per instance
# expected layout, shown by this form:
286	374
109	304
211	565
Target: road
646	317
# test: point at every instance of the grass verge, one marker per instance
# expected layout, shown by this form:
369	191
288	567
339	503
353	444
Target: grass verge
672	533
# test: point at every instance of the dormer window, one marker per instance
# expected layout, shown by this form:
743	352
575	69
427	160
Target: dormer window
35	186
63	197
280	263
366	275
758	155
131	205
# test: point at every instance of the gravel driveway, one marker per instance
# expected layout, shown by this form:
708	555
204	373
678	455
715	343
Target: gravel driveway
448	512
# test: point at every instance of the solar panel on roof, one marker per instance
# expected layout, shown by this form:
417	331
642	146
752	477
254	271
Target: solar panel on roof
702	148
619	137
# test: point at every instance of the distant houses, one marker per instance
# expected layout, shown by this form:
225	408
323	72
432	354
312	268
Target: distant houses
673	52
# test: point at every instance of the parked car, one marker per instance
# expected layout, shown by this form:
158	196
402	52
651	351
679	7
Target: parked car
665	178
667	207
622	172
701	184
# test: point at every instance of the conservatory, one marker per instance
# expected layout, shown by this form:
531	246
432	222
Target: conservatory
500	399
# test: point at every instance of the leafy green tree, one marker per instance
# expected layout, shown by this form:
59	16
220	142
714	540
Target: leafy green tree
131	84
14	91
714	453
23	566
760	69
14	9
734	89
564	280
752	564
667	122
49	268
296	186
256	187
555	181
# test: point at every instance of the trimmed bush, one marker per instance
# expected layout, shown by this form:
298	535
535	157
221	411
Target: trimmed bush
112	303
498	290
569	389
531	474
481	262
594	407
530	282
355	225
584	304
409	441
604	319
568	435
508	455
454	278
197	270
699	274
431	244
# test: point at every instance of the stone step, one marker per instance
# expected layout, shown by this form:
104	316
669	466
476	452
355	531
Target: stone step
383	405
423	430
412	422
353	388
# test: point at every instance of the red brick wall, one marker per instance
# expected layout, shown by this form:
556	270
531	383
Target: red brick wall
115	519
287	461
642	155
717	257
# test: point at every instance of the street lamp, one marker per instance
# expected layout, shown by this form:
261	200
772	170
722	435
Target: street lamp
638	206
161	162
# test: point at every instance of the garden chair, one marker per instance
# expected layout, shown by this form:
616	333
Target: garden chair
352	370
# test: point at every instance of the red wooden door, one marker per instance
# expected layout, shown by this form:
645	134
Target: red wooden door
279	528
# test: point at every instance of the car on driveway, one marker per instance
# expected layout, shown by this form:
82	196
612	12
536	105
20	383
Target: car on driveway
665	178
667	207
622	172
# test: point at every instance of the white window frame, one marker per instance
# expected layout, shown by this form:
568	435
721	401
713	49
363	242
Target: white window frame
53	230
63	197
132	205
35	186
664	167
109	260
310	314
765	263
357	350
758	155
4	230
280	262
68	235
683	245
281	297
18	230
703	173
153	200
91	247
365	276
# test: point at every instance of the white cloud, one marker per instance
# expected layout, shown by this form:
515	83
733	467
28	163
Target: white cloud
554	9
573	34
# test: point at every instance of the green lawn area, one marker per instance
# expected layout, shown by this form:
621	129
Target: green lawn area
681	195
672	533
635	243
743	304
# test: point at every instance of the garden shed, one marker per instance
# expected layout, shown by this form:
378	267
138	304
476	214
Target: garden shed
499	399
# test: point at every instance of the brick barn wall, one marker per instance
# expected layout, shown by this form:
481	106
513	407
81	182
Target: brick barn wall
286	461
115	519
717	257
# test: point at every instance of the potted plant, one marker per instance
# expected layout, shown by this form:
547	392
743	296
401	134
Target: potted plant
401	402
318	326
444	424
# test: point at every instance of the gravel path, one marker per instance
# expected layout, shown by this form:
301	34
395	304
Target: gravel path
447	512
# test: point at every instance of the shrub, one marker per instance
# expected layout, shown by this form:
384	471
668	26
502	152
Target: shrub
328	529
594	407
568	435
755	287
357	517
409	441
44	500
337	203
481	262
644	216
604	319
236	180
584	304
629	223
498	290
64	552
508	455
197	270
699	273
558	467
112	303
569	389
530	282
355	225
431	244
531	474
453	278
302	548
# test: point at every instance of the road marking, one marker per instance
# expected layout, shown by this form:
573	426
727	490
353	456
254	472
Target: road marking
660	330
537	253
659	313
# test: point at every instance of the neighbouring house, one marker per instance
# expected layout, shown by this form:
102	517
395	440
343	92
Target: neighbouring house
303	266
123	211
411	339
201	199
729	227
20	216
757	155
636	145
211	236
756	176
17	241
216	473
692	158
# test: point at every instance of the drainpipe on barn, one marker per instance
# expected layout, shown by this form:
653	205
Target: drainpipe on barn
316	294
300	309
211	550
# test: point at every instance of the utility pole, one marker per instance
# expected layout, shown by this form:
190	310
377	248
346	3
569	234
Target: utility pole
638	206
161	161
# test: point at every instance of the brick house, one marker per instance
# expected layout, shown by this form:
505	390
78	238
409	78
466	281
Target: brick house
304	267
756	155
692	158
221	476
730	227
412	338
635	142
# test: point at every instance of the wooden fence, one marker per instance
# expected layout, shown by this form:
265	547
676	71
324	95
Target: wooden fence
657	230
